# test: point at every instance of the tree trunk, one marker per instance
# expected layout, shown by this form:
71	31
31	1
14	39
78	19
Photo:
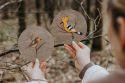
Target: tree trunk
5	13
88	12
97	43
21	17
38	14
49	8
75	5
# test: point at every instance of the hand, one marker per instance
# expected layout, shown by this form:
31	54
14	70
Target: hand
35	71
80	53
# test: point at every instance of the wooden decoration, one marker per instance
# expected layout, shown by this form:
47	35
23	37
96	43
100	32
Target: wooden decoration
35	42
75	22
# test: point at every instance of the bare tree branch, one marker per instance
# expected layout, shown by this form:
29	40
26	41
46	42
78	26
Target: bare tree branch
9	51
8	3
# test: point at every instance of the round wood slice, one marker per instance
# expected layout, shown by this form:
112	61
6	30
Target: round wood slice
60	35
46	45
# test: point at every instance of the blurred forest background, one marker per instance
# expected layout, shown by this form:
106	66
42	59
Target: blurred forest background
17	15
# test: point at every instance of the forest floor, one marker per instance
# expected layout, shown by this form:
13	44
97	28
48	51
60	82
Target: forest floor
60	69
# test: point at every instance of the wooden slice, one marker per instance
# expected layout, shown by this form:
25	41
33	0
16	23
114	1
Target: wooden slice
60	35
44	48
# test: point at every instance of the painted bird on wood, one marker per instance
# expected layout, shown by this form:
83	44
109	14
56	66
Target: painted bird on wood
70	28
35	42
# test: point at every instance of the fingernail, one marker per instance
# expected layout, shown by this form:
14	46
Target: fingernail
65	45
80	43
73	42
37	60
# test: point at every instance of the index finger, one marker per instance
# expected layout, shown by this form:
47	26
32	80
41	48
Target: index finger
76	46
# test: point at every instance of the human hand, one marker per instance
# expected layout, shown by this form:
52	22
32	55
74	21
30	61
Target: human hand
35	71
80	53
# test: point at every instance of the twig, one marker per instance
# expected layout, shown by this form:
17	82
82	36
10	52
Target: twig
8	3
27	12
26	78
18	66
9	51
92	38
81	4
93	20
58	45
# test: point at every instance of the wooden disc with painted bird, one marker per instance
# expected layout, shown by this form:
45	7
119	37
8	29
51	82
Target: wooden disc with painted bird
35	39
68	25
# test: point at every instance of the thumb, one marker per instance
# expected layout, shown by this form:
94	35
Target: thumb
75	45
37	63
37	73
